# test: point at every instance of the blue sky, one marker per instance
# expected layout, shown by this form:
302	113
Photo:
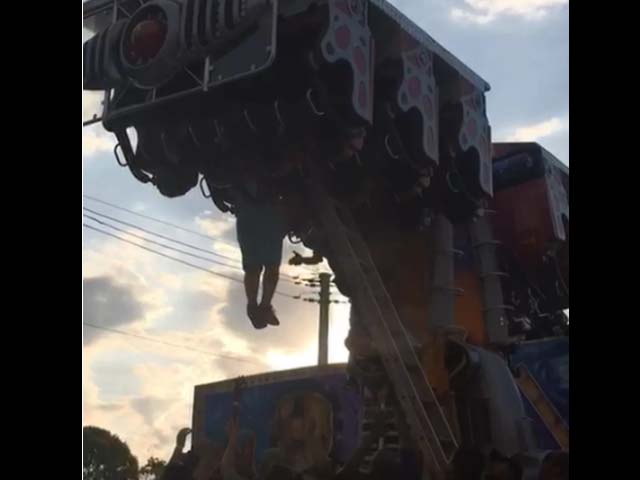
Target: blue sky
143	391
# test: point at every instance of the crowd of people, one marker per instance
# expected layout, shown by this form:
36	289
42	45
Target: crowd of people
238	463
302	448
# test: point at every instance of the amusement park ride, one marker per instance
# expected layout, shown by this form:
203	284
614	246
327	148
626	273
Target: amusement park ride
453	251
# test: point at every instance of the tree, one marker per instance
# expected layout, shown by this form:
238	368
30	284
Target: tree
106	457
153	469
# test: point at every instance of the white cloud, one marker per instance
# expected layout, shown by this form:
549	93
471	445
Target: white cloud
215	226
95	142
109	303
143	391
94	138
532	133
91	104
149	416
278	359
485	11
167	373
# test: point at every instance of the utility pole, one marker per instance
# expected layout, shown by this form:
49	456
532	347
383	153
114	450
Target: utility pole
325	301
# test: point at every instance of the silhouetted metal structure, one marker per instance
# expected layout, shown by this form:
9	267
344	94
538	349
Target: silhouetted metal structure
453	250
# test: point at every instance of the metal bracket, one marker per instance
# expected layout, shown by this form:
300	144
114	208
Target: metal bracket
389	151
494	274
201	184
312	105
115	152
193	136
249	122
276	108
457	291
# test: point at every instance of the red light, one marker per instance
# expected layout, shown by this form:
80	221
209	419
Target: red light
146	40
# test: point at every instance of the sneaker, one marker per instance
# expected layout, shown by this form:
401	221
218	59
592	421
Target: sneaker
269	315
255	315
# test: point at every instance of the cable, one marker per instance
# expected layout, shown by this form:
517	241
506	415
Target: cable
162	236
163	245
159	235
184	347
212	272
163	222
133	212
211	252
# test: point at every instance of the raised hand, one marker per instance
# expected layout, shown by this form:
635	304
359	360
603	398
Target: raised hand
296	259
181	438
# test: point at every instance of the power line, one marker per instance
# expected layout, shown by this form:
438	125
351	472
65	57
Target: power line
133	212
184	347
163	222
169	247
285	276
160	253
159	235
163	245
198	267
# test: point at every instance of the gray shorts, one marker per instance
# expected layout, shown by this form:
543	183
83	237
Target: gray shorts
261	229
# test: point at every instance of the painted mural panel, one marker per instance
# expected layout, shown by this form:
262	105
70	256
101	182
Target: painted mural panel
548	363
300	421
